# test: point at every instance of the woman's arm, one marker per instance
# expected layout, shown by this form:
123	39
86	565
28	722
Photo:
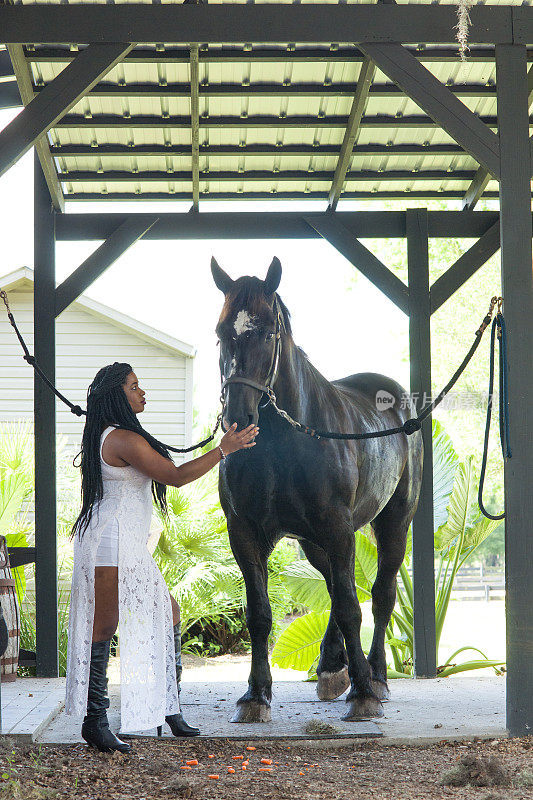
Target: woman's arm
135	451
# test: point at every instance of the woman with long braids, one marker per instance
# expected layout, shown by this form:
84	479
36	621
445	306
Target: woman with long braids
115	580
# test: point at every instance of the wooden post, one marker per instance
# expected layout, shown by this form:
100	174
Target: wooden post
517	281
425	656
45	431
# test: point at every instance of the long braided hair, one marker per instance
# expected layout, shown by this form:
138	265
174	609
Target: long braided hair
107	405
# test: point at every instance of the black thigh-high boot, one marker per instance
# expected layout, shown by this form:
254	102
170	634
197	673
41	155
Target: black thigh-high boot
95	728
177	724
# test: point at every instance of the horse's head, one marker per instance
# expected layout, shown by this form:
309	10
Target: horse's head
248	332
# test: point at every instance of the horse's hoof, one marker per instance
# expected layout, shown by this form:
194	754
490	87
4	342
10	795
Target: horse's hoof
381	690
363	708
252	711
332	684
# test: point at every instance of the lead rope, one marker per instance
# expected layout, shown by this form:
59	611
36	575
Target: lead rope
410	426
498	330
78	410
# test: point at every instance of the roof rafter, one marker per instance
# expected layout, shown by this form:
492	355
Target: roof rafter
22	71
195	126
274	194
149	176
364	83
482	177
263	121
346	89
43	111
256	53
148	150
438	102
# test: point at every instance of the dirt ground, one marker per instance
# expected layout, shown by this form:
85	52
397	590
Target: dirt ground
494	770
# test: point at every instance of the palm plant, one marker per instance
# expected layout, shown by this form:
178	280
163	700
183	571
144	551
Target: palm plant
16	489
459	531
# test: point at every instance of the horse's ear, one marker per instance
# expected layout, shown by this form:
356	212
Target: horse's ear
273	277
221	278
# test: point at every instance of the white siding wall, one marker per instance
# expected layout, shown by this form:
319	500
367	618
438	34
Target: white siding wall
84	344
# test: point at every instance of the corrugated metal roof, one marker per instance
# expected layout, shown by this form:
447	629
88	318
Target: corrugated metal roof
272	121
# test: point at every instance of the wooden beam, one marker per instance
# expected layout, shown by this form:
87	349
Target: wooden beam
114	246
438	102
259	54
265	194
517	284
195	127
45	432
364	83
465	266
424	629
263	89
117	150
260	176
267	121
271	225
56	99
263	23
343	240
9	94
23	74
6	67
475	190
482	177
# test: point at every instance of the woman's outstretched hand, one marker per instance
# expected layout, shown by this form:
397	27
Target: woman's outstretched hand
234	440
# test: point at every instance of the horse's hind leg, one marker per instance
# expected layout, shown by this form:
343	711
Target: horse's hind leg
332	670
390	528
362	700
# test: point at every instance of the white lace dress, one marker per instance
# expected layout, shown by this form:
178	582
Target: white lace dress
147	662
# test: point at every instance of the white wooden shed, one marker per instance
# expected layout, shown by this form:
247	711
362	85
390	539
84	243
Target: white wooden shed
88	336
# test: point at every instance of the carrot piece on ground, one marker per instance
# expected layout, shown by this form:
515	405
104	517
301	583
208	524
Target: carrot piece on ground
245	763
235	758
265	769
300	773
266	761
211	756
250	747
244	766
214	777
230	769
193	762
185	767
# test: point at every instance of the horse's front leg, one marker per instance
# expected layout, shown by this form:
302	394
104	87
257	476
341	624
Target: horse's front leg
362	699
252	557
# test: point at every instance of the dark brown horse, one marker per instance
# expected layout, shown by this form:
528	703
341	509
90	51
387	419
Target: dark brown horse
319	491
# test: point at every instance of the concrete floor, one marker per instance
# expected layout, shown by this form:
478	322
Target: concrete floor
419	712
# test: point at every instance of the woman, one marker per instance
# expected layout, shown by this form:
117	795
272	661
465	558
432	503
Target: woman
115	580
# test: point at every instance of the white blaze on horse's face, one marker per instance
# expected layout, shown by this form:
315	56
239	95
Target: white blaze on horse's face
244	322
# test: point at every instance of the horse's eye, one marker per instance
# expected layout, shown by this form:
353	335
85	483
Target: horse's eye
269	336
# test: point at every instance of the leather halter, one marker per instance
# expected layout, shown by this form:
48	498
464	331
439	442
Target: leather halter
266	387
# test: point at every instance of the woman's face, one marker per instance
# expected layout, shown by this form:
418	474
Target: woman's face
134	393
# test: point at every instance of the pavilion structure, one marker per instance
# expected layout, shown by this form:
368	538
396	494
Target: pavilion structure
326	101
